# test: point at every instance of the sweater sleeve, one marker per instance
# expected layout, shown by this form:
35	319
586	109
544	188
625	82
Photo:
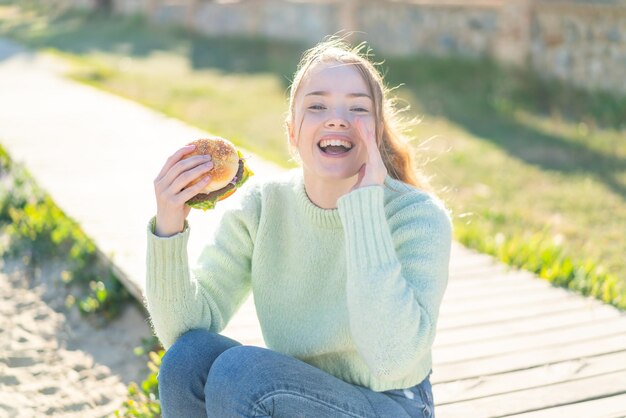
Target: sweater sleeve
397	274
179	298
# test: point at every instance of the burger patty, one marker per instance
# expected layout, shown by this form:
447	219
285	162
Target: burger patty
203	197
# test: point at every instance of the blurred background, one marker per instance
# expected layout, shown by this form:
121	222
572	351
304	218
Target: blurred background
521	104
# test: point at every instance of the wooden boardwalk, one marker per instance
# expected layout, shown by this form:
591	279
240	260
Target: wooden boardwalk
510	344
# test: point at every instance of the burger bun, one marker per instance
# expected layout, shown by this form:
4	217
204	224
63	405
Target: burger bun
225	161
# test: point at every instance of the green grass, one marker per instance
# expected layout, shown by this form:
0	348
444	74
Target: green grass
39	232
514	156
244	109
516	170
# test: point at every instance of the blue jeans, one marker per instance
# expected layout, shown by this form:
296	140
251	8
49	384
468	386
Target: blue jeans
206	374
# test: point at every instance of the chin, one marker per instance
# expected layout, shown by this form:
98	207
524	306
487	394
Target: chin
338	174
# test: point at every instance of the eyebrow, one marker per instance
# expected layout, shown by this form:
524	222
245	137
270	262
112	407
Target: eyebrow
325	93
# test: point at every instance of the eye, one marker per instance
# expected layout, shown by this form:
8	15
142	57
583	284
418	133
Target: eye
317	107
359	109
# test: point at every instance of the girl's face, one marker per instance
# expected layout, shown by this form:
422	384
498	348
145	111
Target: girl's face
330	98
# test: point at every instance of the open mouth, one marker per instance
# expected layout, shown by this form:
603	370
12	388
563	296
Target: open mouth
335	146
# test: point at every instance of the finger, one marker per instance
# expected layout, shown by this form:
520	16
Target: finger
369	138
365	133
360	176
182	167
174	158
184	179
362	171
191	191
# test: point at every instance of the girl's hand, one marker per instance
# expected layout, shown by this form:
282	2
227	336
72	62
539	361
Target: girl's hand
373	172
172	190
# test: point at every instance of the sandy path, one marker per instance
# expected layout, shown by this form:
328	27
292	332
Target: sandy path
52	361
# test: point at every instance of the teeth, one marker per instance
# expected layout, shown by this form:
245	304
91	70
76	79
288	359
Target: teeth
335	142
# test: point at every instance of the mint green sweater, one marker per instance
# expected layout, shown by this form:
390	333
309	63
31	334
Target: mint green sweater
354	291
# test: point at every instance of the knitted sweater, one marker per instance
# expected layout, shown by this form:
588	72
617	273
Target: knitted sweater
354	291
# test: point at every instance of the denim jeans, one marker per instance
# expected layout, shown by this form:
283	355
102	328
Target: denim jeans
206	374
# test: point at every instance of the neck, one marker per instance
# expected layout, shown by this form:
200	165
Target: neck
324	193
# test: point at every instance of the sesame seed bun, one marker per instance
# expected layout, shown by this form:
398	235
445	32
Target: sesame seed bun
225	161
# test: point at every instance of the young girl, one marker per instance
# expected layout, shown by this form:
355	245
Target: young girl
347	259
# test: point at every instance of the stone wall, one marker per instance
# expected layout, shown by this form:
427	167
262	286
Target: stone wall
441	29
582	42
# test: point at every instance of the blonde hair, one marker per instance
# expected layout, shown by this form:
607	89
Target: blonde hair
392	143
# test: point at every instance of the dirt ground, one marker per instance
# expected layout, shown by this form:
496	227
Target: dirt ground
53	362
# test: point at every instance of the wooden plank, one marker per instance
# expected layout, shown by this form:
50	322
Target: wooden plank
495	291
462	258
482	349
598	313
538	398
544	375
514	313
462	286
449	308
492	275
476	273
606	407
530	358
481	274
511	300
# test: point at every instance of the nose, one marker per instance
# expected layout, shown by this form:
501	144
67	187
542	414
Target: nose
337	121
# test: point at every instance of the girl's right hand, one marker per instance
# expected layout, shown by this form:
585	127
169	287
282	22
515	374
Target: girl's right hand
172	191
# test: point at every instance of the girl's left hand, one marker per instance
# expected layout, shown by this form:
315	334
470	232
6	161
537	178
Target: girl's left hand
373	172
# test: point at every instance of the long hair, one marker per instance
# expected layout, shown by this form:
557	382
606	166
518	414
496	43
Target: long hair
392	142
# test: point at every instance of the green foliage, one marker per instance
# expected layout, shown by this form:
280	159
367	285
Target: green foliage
44	229
539	254
143	399
39	230
449	85
5	161
15	189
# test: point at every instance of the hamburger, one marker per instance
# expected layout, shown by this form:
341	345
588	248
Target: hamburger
229	171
